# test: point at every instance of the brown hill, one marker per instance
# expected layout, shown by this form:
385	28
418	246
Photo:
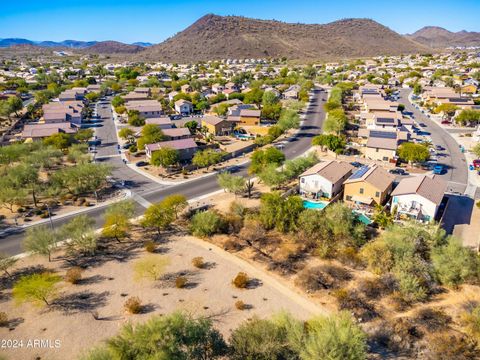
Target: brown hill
438	37
219	37
113	47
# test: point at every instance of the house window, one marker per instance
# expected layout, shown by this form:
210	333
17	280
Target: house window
349	198
376	150
302	180
385	158
377	194
361	191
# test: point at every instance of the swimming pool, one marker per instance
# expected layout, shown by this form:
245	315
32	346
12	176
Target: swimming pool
318	205
363	218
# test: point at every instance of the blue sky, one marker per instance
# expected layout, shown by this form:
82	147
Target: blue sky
154	21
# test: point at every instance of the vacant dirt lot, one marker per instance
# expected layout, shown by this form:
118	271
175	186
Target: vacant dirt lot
109	281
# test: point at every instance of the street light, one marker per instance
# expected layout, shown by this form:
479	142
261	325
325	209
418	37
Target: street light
50	216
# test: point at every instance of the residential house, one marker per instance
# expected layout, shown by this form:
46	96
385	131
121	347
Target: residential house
218	126
383	145
146	108
63	111
177	133
249	117
218	88
291	92
35	132
135	96
369	185
183	107
419	197
186	148
162	122
325	179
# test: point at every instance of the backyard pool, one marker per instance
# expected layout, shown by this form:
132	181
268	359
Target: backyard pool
363	218
318	205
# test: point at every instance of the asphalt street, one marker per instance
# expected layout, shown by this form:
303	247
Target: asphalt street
452	157
147	191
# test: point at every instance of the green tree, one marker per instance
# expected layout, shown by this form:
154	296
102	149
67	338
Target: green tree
134	118
26	177
165	157
231	183
476	150
206	223
336	337
6	262
331	142
207	158
127	134
93	96
280	213
261	158
336	121
192	126
468	117
36	288
269	98
41	240
82	178
150	267
151	134
159	217
175	203
412	152
117	220
176	336
254	96
83	135
80	234
60	141
289	119
455	264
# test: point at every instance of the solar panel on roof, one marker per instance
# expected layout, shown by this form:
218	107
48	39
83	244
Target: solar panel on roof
383	134
360	172
386	120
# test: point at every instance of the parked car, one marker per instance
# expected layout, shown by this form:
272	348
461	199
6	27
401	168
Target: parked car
446	122
438	169
141	163
439	148
127	145
356	164
398	171
422	125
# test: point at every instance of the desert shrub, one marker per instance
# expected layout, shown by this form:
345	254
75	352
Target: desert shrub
447	346
233	223
401	335
133	305
232	245
253	231
206	223
73	275
455	264
322	277
238	208
336	337
377	287
240	305
3	319
174	336
150	246
410	289
471	321
198	262
241	280
349	256
151	267
351	301
180	282
377	256
267	339
432	319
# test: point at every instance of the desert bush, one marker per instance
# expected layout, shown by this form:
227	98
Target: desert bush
447	346
471	321
432	319
180	282
240	305
232	245
376	287
349	256
198	262
313	279
206	223
150	246
241	280
351	301
73	275
337	272
233	223
252	231
238	208
3	319
133	305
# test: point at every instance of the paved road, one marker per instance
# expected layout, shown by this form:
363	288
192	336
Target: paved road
452	158
311	126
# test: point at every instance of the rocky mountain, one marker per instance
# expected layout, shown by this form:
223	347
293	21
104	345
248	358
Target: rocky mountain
143	44
113	47
437	37
109	46
15	41
219	37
